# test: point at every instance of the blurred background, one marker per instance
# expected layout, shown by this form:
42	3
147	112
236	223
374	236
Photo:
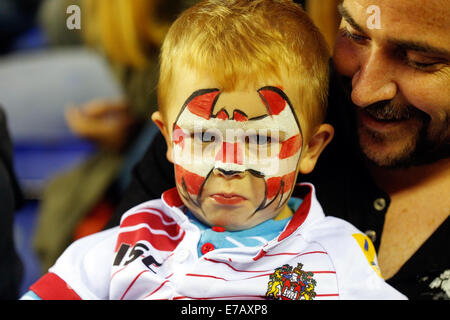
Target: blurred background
77	86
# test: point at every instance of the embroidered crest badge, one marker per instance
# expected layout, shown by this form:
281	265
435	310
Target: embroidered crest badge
287	283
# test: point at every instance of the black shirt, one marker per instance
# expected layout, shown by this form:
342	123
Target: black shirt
344	188
11	268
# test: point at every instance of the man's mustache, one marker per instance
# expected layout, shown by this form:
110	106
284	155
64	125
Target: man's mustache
392	111
386	110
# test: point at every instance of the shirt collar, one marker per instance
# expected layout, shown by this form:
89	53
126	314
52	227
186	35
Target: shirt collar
301	217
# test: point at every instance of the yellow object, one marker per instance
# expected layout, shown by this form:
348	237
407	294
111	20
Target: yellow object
124	29
369	251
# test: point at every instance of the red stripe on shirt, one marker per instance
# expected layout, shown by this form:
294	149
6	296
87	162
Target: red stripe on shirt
172	198
237	270
52	287
161	285
299	217
167	219
257	276
153	220
112	276
245	296
204	276
132	283
157	289
219	278
220	297
294	253
158	241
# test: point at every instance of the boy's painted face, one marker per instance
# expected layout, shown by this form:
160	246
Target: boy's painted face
236	155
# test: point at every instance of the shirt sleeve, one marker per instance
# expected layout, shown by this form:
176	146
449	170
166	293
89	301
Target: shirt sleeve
51	287
82	272
30	295
354	258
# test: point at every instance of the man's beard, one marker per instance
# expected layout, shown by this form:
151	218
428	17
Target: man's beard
421	148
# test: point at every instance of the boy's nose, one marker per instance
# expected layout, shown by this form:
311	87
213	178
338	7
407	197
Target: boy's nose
228	173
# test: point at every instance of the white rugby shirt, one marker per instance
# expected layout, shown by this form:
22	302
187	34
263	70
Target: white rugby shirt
153	255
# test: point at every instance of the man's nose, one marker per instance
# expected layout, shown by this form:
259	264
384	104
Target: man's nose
374	81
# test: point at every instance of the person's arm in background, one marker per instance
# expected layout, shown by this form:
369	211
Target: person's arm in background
11	268
150	177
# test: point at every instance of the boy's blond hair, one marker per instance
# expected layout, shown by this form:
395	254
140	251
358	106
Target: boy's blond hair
241	42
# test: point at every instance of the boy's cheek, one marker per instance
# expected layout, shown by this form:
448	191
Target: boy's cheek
190	181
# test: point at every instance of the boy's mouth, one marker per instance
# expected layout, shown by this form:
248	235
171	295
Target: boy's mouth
228	198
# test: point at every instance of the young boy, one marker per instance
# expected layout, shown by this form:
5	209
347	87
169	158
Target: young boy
242	98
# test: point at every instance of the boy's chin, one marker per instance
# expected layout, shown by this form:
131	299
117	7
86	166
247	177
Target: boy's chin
231	217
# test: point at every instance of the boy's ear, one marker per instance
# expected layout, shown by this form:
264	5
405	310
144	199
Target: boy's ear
158	119
317	143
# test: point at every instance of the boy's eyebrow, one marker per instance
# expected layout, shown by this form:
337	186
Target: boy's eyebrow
347	17
418	46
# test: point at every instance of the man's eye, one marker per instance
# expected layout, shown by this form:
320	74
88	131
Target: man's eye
424	64
353	36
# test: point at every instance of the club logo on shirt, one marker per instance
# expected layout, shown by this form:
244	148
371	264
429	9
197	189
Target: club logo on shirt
288	283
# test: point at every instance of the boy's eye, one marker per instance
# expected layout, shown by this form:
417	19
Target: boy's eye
258	139
204	136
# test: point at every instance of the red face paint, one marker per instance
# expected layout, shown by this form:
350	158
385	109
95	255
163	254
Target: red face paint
239	116
290	147
281	184
178	136
192	181
229	156
231	153
201	104
222	115
275	103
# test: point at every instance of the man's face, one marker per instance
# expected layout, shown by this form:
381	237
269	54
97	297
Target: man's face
398	72
235	153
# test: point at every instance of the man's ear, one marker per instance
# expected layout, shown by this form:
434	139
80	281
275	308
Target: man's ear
158	119
317	143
